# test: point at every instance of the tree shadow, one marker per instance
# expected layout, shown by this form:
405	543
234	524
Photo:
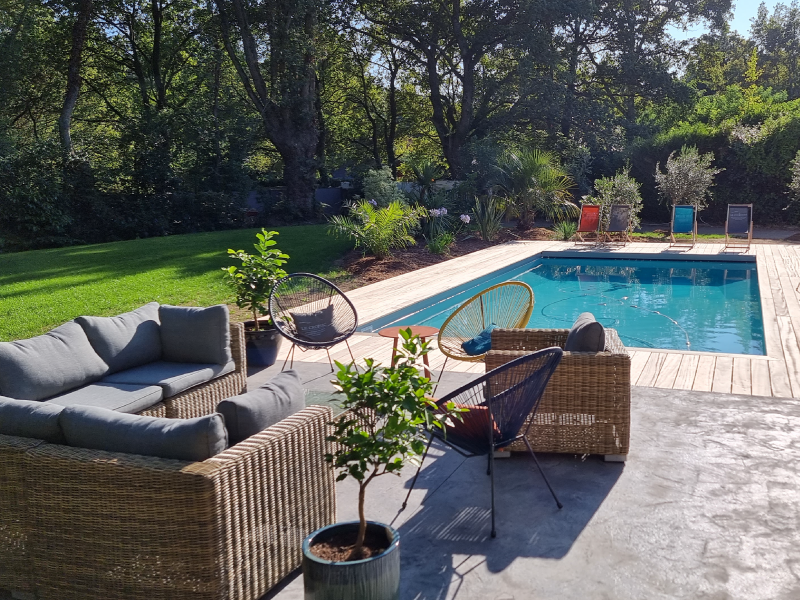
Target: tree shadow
449	535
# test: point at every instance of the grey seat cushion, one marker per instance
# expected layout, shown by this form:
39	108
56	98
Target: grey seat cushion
49	364
31	419
586	335
254	411
173	377
127	340
195	335
182	439
122	397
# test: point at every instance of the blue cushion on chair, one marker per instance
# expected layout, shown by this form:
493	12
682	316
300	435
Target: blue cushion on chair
481	343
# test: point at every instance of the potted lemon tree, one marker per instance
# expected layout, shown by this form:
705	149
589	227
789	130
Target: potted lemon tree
252	282
382	429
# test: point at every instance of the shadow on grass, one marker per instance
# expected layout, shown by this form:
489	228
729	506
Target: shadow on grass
309	248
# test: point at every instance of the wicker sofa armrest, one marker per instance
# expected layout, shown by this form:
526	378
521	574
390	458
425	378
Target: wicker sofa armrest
237	347
110	525
15	552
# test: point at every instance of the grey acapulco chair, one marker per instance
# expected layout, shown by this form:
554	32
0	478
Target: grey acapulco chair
502	405
312	313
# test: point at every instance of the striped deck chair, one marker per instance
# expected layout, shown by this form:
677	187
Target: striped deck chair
684	220
589	223
619	222
739	223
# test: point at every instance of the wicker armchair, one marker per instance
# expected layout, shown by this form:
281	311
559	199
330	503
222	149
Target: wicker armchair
586	408
100	525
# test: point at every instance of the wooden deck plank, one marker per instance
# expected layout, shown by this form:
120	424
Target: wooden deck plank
779	379
723	375
669	371
704	377
638	361
651	369
741	383
686	372
759	378
791	353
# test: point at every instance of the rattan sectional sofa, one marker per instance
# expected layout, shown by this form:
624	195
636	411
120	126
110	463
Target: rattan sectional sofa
586	408
89	524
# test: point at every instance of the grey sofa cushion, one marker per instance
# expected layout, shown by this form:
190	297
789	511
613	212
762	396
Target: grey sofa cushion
49	364
182	439
195	335
254	411
173	378
127	340
113	396
586	335
26	418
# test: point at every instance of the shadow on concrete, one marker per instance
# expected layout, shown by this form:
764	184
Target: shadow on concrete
449	535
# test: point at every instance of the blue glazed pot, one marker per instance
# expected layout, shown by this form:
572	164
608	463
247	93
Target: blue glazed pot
374	578
262	346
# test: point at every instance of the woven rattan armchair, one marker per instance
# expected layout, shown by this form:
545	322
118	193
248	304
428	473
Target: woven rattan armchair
586	408
508	304
95	525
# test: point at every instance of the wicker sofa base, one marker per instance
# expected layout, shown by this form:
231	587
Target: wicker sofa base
586	408
95	525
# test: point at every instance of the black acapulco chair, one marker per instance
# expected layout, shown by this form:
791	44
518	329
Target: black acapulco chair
312	313
500	403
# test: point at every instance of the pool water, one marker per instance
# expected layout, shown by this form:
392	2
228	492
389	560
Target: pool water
706	306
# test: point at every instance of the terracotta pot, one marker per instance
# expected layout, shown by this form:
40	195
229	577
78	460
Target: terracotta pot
375	578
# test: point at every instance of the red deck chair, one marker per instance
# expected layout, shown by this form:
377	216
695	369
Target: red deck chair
589	223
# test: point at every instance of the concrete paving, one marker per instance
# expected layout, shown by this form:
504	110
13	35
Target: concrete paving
707	506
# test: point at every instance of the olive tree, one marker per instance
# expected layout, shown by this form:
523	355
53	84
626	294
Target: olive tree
688	177
619	189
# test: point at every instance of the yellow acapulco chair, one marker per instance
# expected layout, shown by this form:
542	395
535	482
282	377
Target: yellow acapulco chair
506	305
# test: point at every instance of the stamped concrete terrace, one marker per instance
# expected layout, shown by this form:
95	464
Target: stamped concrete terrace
705	506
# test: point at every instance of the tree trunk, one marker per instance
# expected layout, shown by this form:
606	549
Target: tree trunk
74	74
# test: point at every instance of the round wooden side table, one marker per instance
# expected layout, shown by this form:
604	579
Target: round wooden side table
423	331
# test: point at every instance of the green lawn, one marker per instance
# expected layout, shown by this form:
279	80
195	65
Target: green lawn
44	288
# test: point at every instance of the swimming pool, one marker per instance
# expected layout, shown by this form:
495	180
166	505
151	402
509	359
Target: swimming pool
709	306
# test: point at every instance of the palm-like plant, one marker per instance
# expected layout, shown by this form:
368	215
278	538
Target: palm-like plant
425	173
378	230
534	181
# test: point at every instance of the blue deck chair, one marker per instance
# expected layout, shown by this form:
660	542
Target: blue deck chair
501	408
684	220
739	223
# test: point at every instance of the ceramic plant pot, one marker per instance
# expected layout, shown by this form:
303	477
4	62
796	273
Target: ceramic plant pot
262	345
374	578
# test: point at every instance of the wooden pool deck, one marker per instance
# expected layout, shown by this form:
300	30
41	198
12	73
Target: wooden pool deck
777	374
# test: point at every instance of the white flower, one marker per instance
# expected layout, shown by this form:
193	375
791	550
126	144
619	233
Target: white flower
465	219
